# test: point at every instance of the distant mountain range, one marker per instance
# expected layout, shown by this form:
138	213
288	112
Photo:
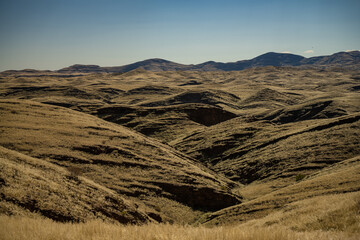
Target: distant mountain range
348	60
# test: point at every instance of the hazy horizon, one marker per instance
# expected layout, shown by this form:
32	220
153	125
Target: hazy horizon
50	35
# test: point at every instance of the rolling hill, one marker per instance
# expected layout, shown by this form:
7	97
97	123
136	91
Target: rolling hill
264	146
81	150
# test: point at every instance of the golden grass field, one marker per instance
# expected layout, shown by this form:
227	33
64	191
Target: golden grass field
263	153
43	229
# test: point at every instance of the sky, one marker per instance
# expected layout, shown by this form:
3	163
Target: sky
52	34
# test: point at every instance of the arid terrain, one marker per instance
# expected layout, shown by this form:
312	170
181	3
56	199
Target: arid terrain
268	152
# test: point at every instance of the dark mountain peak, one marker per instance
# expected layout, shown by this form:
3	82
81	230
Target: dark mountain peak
84	65
341	59
209	62
348	60
277	59
343	55
268	54
155	60
82	68
351	53
275	54
351	56
210	66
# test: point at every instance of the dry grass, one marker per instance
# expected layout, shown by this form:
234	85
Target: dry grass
295	176
79	147
338	184
14	228
336	213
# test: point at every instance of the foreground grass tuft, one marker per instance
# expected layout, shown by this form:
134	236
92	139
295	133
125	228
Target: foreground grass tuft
27	228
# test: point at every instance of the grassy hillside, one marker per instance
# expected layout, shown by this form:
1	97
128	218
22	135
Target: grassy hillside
143	170
34	187
272	151
253	151
40	229
333	190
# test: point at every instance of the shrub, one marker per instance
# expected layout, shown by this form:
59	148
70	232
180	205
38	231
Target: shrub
300	177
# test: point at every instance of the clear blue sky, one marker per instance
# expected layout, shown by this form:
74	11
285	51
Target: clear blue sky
51	34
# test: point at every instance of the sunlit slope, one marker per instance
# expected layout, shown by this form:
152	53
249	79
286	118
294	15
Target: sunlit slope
34	187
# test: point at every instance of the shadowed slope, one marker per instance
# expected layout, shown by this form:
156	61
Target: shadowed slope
268	96
339	179
165	123
306	111
252	151
210	97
